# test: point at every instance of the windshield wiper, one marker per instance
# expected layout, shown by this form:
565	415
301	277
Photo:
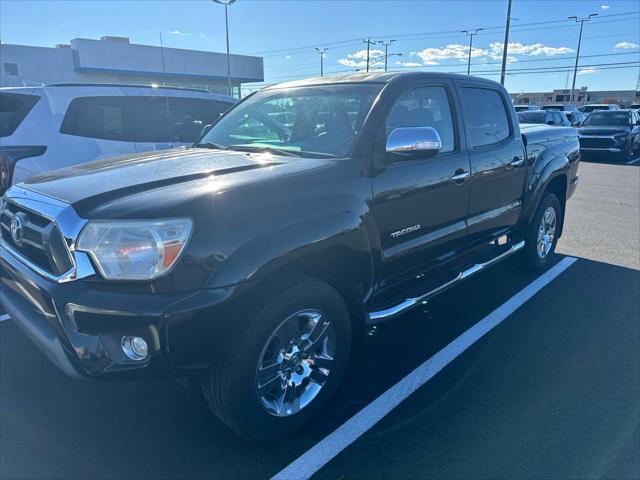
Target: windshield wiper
211	145
277	151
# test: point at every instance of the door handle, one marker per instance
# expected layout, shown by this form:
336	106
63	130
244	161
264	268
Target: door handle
460	176
517	162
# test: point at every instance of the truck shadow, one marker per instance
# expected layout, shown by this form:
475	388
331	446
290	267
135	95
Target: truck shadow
53	427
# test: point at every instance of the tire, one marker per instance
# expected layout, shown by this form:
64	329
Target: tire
231	386
535	257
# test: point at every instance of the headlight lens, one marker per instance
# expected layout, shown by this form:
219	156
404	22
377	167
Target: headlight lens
134	249
621	137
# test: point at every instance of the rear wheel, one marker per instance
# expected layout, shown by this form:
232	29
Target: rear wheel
542	233
285	364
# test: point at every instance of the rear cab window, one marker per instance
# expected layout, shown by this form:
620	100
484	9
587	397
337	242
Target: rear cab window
486	116
14	108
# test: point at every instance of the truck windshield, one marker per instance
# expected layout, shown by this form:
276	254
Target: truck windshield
607	119
318	121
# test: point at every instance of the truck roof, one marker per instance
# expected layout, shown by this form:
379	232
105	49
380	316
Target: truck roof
378	77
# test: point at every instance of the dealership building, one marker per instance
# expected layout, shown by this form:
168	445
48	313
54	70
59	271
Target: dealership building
624	98
117	60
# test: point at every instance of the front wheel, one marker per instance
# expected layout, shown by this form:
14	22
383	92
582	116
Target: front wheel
285	364
542	233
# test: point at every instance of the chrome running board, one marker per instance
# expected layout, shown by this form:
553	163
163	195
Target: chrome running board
382	315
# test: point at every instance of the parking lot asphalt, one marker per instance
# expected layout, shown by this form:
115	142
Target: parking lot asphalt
552	392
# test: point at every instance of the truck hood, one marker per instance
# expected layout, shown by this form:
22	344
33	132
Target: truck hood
602	130
118	177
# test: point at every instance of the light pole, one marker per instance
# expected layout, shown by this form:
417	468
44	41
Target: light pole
575	68
470	34
321	52
505	48
226	4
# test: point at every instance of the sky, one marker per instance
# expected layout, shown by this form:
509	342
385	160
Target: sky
427	34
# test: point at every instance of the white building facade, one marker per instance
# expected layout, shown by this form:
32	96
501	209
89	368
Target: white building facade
116	60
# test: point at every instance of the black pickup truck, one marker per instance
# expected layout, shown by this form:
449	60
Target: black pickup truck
256	257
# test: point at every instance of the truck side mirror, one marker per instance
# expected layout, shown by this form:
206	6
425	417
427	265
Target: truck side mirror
414	141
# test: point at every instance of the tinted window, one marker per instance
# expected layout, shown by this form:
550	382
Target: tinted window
11	69
14	107
487	120
424	107
531	117
108	118
141	119
190	115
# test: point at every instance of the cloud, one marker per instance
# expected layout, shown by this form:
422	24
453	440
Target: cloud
587	71
359	58
626	45
179	33
431	56
531	50
287	57
605	7
409	64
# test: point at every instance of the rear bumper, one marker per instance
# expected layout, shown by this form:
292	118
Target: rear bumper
79	325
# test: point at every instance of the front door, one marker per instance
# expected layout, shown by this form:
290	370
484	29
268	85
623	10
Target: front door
420	204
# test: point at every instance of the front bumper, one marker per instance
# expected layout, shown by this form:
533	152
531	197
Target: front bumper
79	324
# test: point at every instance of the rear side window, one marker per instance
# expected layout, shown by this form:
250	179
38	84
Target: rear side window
487	119
107	118
14	107
531	117
141	119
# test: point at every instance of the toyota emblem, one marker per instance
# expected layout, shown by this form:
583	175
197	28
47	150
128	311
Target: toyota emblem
16	230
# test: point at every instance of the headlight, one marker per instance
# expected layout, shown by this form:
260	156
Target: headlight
134	249
621	137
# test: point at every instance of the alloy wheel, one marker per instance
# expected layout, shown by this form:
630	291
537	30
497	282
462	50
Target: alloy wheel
546	232
295	363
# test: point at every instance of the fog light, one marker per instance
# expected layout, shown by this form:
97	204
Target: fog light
134	347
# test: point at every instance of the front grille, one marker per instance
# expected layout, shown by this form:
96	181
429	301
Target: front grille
586	142
40	241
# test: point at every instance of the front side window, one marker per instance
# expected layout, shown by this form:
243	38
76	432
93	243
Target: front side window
11	69
424	107
487	120
604	119
321	120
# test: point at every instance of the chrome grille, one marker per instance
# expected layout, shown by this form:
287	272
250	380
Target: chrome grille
40	240
596	142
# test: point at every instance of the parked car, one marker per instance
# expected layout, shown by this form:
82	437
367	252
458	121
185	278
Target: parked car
255	258
611	131
523	108
599	106
548	117
575	118
563	107
56	126
635	106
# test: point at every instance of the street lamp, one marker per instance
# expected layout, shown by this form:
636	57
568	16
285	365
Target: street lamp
226	4
386	51
470	34
575	68
321	52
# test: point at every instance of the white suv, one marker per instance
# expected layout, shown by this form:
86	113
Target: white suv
55	126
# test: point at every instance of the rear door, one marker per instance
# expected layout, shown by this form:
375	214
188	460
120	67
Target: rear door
419	205
497	160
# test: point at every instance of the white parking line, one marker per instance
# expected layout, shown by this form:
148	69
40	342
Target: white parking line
4	317
631	162
324	451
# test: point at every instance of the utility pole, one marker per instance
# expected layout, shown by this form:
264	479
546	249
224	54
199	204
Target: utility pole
226	4
369	42
386	51
321	52
506	45
470	34
575	68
